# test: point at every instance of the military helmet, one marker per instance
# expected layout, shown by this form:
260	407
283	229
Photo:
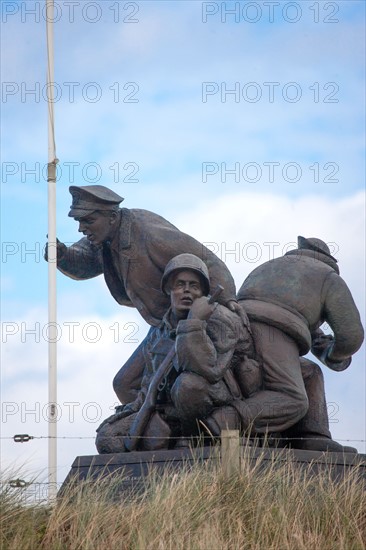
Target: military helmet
315	244
183	262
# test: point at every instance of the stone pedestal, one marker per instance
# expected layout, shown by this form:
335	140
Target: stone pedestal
134	466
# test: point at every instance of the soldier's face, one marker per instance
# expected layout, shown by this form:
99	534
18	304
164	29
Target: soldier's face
98	227
185	288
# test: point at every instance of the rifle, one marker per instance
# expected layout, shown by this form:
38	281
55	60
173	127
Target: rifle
143	416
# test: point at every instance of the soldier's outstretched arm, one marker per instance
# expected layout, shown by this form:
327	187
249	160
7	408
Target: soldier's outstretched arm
342	315
78	261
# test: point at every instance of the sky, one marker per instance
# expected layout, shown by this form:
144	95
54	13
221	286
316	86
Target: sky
242	123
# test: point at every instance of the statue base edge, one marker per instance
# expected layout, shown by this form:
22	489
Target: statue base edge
135	466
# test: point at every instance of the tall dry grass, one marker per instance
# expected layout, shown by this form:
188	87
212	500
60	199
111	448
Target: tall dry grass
278	507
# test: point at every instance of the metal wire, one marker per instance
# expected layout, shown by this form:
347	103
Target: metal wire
27	438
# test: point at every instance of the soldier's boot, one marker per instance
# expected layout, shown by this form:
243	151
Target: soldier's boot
223	418
183	443
157	434
310	442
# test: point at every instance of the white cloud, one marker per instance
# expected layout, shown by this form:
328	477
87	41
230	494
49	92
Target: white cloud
245	218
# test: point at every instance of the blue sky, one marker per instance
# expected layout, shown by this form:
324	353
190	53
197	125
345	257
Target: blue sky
153	97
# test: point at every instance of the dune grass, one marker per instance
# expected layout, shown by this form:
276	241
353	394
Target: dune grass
279	507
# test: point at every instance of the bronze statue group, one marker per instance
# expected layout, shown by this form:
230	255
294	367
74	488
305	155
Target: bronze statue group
213	359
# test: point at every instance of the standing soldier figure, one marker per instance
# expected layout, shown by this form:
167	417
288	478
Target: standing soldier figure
131	249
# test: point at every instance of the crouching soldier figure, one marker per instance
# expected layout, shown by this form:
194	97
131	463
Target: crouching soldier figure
190	364
287	300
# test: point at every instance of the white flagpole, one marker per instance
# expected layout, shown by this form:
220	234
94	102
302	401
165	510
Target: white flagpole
52	263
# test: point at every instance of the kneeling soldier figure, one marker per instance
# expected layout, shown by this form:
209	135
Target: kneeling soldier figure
201	344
